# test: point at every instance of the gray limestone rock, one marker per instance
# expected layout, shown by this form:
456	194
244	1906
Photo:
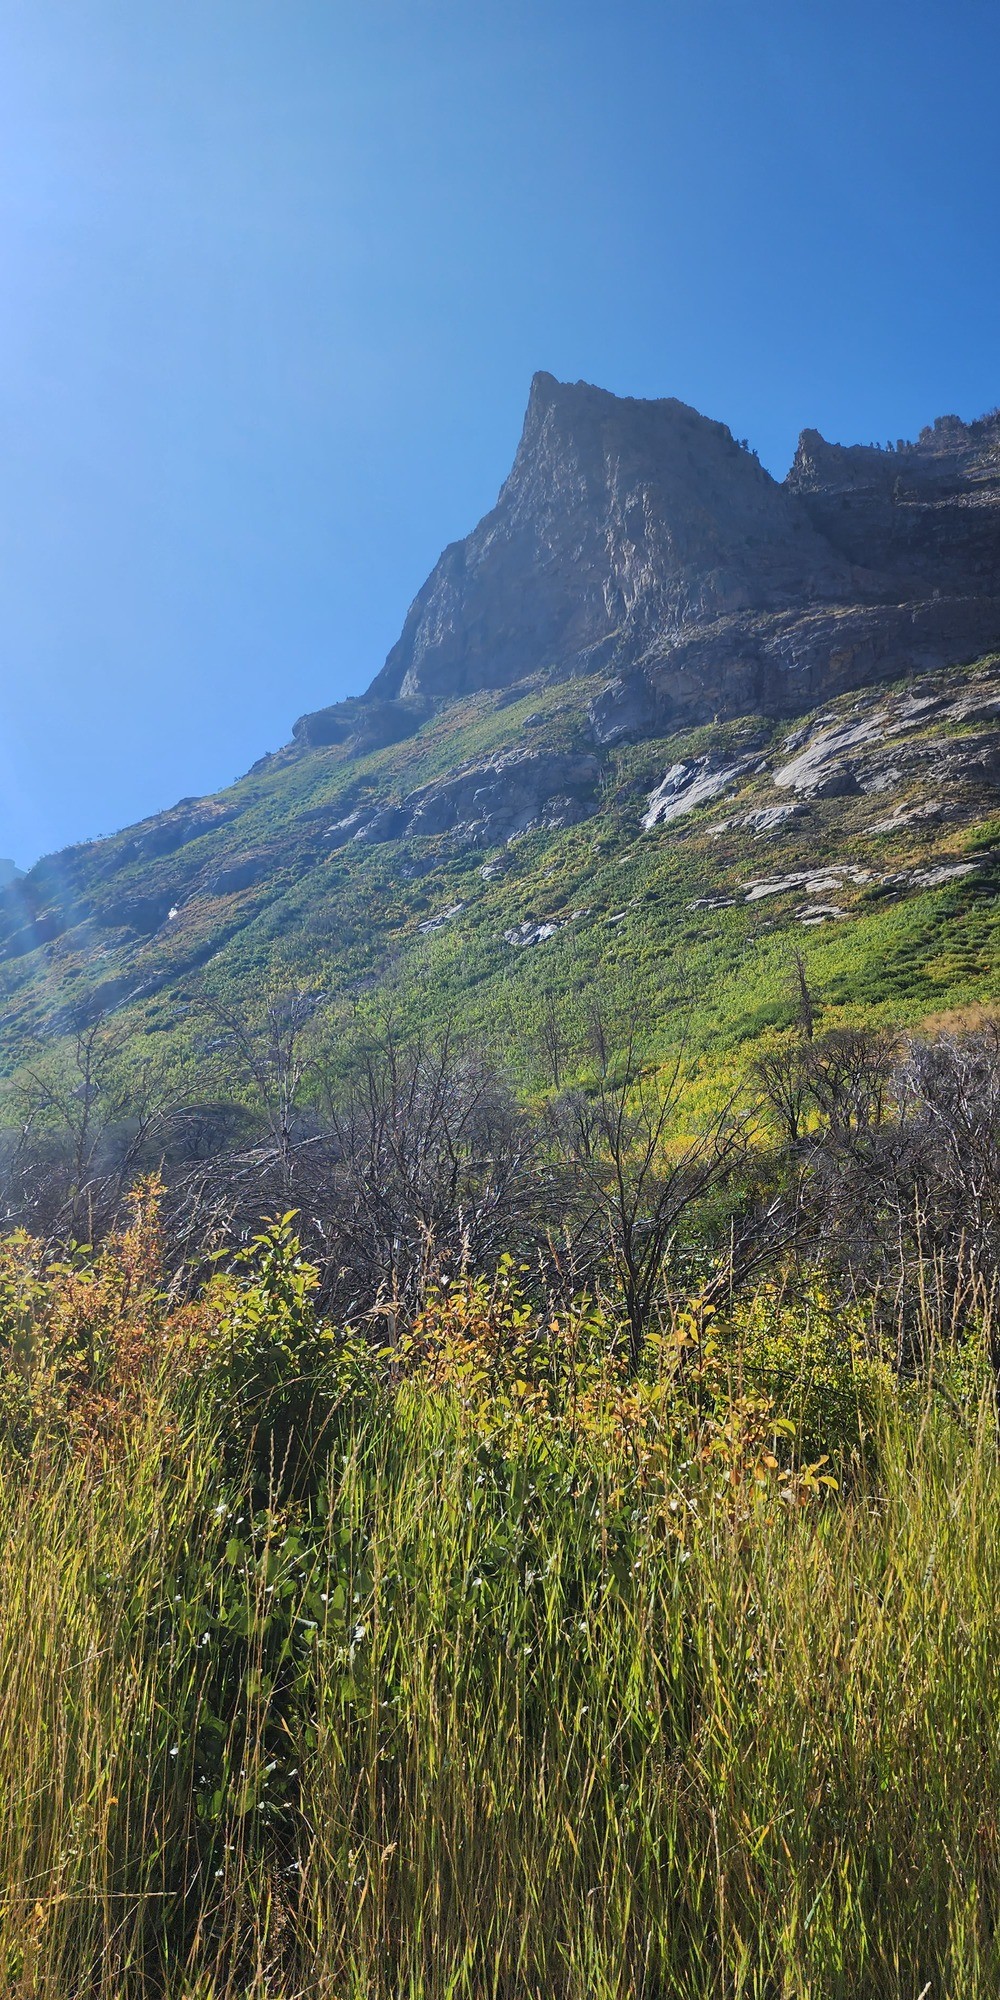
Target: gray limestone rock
361	723
760	821
690	784
620	520
442	918
624	711
836	781
530	933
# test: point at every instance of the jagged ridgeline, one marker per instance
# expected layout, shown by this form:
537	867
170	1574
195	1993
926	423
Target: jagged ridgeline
659	720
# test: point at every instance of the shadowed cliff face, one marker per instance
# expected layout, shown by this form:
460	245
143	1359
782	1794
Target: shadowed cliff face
923	517
638	538
620	520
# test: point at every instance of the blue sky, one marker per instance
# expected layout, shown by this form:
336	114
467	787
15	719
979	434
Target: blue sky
276	275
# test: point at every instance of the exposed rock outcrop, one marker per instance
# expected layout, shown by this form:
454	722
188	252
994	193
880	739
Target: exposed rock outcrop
939	738
242	871
688	785
487	805
152	838
920	518
361	723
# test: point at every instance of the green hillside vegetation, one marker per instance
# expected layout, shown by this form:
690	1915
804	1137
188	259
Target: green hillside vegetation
619	898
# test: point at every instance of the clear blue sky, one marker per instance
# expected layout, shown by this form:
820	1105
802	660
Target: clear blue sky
276	275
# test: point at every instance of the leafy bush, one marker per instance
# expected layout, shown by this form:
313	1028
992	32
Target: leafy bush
815	1356
274	1373
482	1662
85	1336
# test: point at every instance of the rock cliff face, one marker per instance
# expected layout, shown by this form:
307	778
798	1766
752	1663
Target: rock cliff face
923	517
640	538
620	519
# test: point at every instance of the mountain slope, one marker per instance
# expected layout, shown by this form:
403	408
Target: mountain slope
659	719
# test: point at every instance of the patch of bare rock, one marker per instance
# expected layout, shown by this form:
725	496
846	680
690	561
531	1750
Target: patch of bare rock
690	784
825	882
487	805
947	744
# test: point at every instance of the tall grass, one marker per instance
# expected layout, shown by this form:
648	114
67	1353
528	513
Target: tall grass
500	1712
536	1749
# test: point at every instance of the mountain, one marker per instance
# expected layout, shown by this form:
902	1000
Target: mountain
659	718
640	540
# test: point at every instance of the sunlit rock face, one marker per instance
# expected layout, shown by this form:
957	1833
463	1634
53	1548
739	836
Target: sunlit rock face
640	539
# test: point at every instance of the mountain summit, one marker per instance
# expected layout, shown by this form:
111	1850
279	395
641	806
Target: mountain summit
620	520
639	538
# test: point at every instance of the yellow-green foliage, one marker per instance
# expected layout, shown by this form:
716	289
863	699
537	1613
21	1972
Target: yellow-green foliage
814	1354
533	1681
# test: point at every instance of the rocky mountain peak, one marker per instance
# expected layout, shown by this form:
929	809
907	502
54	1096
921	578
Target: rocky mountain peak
620	519
638	538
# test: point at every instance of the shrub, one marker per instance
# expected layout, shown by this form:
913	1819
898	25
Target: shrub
85	1337
273	1372
814	1355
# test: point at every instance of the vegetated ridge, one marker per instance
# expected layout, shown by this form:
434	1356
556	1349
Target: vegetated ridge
658	716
